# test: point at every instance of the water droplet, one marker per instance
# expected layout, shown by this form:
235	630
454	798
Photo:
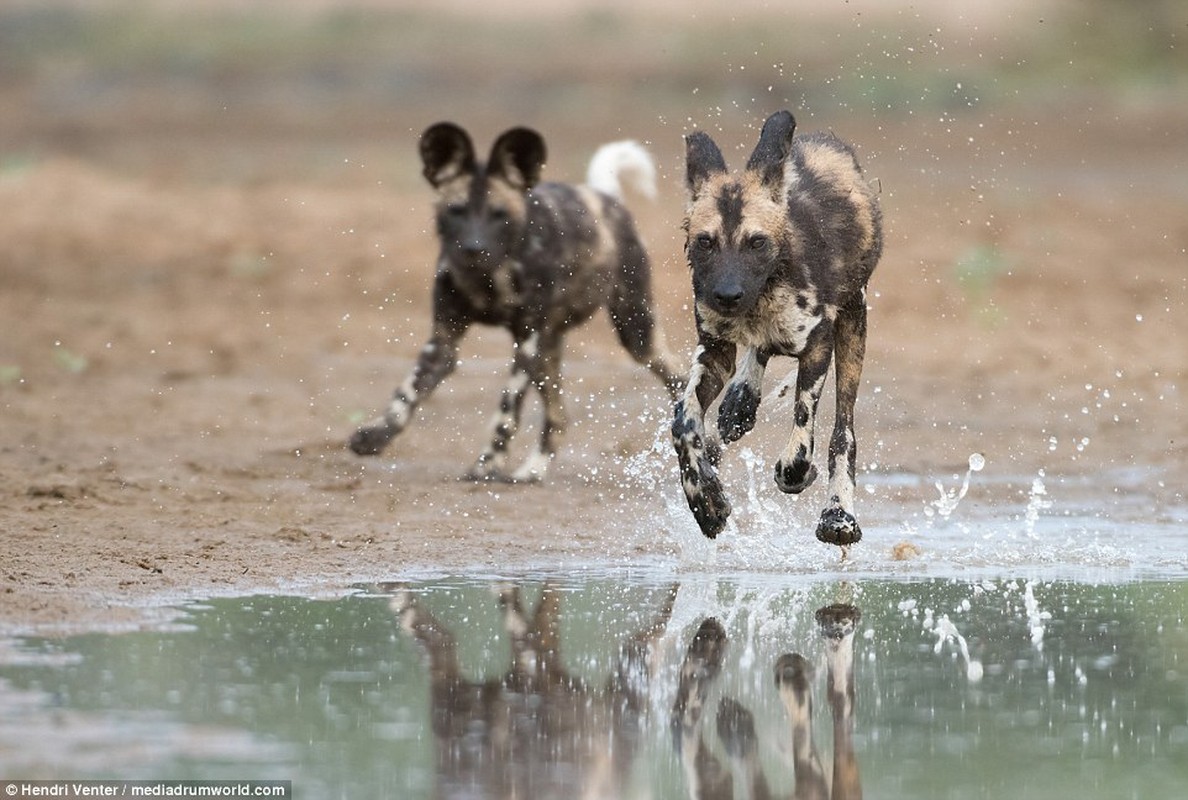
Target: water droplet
977	462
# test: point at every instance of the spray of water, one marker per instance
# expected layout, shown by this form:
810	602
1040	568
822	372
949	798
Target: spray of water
948	501
946	632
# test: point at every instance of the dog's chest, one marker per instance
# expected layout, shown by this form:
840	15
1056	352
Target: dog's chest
781	321
496	293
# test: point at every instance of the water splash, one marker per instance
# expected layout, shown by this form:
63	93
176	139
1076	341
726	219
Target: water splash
945	632
1035	617
1036	502
948	501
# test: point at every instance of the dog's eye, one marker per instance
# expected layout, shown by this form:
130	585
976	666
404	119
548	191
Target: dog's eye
705	241
499	214
758	241
456	210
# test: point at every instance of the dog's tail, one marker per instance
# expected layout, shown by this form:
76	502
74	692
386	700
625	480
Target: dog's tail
618	161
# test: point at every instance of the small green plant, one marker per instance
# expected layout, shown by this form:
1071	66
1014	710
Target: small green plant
977	272
71	362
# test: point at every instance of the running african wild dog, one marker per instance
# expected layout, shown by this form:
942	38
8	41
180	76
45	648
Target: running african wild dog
534	258
780	258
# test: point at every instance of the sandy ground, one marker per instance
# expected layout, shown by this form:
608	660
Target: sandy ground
186	346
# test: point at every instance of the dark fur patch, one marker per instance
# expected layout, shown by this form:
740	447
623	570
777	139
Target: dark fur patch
730	209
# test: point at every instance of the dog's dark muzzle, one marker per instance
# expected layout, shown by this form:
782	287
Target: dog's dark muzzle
727	295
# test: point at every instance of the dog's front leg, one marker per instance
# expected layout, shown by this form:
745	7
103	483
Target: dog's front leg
546	377
794	471
696	454
490	464
437	359
839	523
740	403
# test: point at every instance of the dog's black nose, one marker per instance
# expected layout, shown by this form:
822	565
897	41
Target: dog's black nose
472	248
728	297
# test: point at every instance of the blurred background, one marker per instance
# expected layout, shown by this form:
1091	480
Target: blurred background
267	89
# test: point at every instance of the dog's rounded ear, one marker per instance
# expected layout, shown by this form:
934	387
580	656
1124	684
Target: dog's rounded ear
446	152
702	159
775	144
518	156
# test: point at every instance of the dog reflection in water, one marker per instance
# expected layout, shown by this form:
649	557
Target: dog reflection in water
707	778
537	731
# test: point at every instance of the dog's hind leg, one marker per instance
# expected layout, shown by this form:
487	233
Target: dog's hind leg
437	359
506	422
838	524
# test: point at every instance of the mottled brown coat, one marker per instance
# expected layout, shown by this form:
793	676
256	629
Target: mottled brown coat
780	258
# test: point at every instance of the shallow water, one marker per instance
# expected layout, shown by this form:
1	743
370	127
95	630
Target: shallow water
978	687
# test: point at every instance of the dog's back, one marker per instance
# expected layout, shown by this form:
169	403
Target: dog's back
834	210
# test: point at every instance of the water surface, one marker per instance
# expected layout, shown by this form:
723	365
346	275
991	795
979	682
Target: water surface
984	687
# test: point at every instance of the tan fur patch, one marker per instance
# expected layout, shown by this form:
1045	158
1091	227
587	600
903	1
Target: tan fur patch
455	191
702	213
604	248
502	195
763	211
837	169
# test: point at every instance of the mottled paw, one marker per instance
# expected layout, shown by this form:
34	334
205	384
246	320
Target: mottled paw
838	526
487	468
707	500
794	478
736	414
371	440
533	469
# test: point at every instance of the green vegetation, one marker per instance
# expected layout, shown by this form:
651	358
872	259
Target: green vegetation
976	272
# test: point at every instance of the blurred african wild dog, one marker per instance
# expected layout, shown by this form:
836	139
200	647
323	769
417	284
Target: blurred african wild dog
536	259
780	258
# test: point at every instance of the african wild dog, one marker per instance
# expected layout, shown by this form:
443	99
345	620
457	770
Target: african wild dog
536	259
780	257
537	730
707	778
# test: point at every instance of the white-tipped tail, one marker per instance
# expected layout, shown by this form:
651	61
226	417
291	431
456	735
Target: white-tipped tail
617	162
